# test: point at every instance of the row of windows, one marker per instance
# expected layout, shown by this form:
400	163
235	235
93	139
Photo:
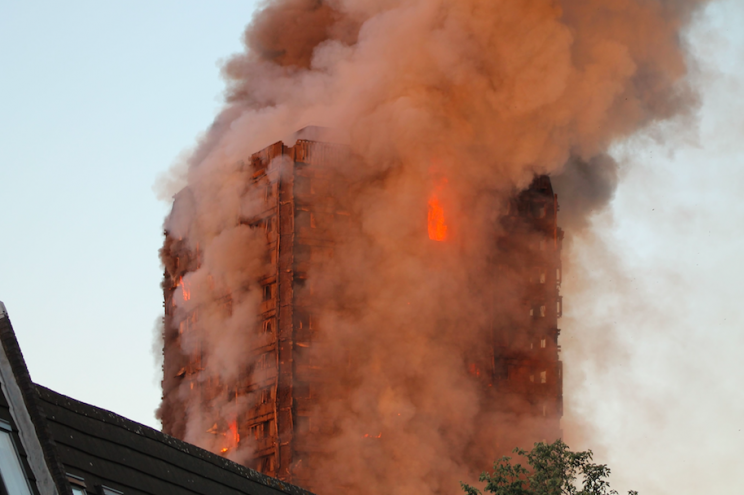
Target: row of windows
303	321
265	395
265	360
543	344
79	487
543	377
540	275
542	310
263	429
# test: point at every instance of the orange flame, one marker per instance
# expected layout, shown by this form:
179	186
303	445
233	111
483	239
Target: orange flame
233	429
474	370
186	291
232	437
437	223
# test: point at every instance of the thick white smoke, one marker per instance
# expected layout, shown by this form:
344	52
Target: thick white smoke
478	95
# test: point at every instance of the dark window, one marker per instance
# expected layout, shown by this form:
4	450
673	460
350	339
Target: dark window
267	464
268	292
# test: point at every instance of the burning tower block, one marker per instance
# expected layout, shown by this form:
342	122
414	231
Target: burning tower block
270	410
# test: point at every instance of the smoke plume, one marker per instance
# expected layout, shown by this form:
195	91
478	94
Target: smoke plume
468	98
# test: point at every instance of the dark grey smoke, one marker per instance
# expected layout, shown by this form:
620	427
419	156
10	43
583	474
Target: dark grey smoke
585	188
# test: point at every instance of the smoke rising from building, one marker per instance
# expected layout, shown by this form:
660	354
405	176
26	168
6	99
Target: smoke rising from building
466	100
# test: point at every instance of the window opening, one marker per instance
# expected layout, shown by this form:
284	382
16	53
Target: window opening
543	377
105	490
77	484
268	292
304	321
267	464
269	225
11	470
543	343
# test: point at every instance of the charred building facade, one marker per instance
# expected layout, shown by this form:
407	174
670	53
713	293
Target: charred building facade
276	391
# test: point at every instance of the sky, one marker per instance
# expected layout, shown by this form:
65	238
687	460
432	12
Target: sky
97	100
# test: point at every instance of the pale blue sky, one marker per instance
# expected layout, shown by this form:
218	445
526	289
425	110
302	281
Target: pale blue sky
97	99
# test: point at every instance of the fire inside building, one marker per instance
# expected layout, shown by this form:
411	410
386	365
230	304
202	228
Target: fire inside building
279	385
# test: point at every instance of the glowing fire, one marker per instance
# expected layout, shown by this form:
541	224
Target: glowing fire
367	435
474	370
186	291
232	437
437	224
233	434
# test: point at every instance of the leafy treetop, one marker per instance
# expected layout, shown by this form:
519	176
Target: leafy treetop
553	470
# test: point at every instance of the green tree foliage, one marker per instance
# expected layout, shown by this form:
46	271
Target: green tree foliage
553	470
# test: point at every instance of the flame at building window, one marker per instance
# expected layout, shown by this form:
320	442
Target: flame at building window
437	220
185	289
232	437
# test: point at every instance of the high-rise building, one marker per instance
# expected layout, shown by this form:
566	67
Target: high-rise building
520	369
527	370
